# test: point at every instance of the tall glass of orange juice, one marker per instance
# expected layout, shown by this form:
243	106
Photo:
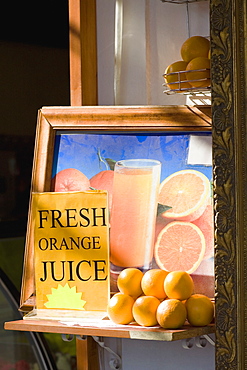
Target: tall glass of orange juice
134	209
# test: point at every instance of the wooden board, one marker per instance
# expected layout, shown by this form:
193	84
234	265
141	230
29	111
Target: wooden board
128	331
83	52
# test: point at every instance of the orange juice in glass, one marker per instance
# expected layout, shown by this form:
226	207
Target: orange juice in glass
133	213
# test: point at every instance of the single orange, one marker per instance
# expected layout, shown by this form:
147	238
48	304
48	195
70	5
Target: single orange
206	224
119	309
171	314
70	179
144	310
187	193
193	47
175	75
153	283
103	180
180	246
179	285
129	282
198	72
200	310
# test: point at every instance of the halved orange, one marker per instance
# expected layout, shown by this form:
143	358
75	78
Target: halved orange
187	193
180	246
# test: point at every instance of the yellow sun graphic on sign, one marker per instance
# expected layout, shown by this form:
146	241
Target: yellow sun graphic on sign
65	297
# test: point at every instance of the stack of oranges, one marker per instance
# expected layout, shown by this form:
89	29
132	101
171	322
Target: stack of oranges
158	297
193	71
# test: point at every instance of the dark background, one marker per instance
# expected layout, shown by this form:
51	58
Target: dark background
34	72
39	22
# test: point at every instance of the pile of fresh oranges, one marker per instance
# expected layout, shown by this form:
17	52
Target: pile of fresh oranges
157	297
193	71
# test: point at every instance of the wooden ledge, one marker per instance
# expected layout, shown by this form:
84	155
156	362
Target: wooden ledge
132	332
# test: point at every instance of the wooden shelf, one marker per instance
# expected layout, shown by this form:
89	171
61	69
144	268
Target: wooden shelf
129	331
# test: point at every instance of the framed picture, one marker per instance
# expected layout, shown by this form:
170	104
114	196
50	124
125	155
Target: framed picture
80	147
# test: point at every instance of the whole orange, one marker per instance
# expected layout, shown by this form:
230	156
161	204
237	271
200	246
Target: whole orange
129	282
178	285
153	283
70	179
200	310
119	308
198	72
171	314
175	75
103	180
144	310
193	47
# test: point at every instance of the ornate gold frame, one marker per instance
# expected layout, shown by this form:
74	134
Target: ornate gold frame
228	29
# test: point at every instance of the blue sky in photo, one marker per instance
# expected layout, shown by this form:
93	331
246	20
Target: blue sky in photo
89	152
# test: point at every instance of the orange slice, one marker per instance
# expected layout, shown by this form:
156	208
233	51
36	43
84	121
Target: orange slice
187	192
180	246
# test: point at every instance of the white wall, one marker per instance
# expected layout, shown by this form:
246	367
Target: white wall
158	355
153	33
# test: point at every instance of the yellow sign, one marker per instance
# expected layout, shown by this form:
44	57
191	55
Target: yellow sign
71	244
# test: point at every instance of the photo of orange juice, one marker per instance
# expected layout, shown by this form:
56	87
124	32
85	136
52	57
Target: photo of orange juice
183	163
134	209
